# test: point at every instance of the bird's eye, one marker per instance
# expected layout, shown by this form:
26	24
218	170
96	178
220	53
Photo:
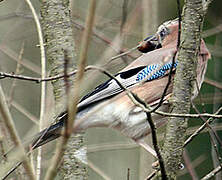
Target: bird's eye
164	32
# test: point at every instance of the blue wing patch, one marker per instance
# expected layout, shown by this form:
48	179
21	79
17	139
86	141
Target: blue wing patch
147	72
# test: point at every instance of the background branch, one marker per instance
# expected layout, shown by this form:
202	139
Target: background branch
9	124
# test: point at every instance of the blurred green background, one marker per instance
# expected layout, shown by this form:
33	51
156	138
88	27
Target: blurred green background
108	151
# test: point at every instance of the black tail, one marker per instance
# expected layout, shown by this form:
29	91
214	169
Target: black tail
50	133
42	138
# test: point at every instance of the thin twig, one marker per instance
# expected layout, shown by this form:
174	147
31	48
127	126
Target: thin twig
201	128
155	145
132	97
212	31
209	126
151	175
122	54
4	75
173	59
98	170
213	83
43	85
17	71
39	80
14	83
14	135
212	173
25	112
128	174
189	165
124	15
122	28
211	131
11	171
114	146
11	92
14	56
154	139
213	136
188	115
100	36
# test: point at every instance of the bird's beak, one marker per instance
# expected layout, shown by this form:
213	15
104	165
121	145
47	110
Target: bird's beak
149	44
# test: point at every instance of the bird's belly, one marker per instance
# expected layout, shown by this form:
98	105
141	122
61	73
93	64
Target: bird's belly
132	122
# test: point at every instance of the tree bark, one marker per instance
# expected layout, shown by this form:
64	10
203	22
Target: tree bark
58	36
193	15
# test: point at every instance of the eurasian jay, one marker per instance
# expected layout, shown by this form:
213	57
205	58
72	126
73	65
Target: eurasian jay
108	104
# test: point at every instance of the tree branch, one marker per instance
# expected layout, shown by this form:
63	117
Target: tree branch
43	85
6	116
58	36
193	15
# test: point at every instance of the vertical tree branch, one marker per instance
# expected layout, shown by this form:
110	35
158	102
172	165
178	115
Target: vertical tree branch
43	85
73	99
193	15
57	29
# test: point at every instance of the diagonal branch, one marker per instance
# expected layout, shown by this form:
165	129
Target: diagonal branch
6	116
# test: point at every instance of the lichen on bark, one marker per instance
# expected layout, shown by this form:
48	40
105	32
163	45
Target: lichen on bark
192	20
58	36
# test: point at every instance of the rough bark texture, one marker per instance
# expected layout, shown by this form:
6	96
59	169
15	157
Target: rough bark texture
183	84
58	36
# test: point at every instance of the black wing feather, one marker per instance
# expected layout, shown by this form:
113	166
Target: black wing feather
110	87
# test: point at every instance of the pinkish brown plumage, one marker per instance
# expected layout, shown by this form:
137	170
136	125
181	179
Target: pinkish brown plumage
109	106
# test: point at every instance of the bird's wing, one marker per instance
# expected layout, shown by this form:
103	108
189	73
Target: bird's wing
128	79
109	88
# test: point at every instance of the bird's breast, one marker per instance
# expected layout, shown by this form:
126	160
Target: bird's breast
130	120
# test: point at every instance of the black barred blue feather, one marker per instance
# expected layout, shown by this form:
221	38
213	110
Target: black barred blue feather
128	79
149	71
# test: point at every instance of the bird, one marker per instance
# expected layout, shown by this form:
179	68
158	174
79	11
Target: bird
108	105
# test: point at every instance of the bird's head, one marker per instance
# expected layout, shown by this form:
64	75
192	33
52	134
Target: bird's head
166	35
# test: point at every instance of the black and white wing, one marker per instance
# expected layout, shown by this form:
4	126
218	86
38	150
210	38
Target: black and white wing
128	79
110	87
